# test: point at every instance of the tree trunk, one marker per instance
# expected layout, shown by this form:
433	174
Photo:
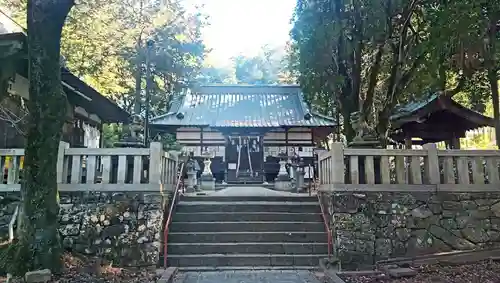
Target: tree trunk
39	244
493	80
492	74
138	78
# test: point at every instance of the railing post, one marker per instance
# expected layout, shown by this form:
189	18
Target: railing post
337	170
61	166
432	164
175	163
321	174
155	160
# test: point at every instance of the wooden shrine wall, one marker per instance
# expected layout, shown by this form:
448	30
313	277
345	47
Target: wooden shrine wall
278	140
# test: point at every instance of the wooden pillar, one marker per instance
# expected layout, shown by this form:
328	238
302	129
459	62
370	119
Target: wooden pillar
261	148
202	150
455	142
286	140
447	144
226	163
101	135
408	141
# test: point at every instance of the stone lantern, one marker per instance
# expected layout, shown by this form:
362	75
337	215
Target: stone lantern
207	178
294	161
300	180
191	174
282	181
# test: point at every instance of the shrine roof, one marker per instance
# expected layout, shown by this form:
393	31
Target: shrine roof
242	106
78	92
436	104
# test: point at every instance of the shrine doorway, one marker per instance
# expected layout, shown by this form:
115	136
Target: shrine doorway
244	159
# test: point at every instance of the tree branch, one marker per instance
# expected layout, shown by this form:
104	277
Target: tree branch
372	82
358	49
458	88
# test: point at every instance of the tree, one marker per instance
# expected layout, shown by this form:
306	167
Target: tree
214	75
492	12
39	244
475	34
369	56
269	66
360	54
264	68
110	56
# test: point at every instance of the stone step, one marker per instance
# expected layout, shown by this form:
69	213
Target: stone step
246	226
247	248
251	198
247	216
250	206
244	268
247	260
251	237
247	185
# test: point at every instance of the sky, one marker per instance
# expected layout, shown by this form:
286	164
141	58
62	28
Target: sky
244	26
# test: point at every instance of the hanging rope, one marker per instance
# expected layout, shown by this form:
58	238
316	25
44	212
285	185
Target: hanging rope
238	148
249	159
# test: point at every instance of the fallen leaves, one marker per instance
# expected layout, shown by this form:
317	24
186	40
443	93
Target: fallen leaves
481	272
81	269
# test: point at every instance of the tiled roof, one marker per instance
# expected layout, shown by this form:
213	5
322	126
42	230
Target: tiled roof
242	106
435	103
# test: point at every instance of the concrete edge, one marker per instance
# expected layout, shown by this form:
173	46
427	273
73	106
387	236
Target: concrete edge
167	275
330	275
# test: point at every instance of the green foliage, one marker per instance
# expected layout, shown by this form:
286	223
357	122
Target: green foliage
112	133
216	75
369	56
104	40
269	66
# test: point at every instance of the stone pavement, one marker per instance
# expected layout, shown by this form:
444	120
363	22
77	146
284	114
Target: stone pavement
248	276
250	191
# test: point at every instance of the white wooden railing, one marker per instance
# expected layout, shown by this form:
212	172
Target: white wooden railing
399	169
100	169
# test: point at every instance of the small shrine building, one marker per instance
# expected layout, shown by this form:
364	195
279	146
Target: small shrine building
435	119
246	127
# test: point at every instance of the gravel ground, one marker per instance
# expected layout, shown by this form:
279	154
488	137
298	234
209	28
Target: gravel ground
482	272
91	270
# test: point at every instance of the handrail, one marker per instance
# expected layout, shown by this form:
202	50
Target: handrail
12	223
169	218
327	227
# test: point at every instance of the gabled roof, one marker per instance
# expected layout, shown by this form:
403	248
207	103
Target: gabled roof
242	106
434	104
78	92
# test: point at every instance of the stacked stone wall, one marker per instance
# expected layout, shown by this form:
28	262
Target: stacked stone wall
371	226
125	228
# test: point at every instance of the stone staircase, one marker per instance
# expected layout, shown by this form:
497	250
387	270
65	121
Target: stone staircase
230	232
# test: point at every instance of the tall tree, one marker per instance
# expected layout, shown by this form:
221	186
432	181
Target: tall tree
267	67
347	50
39	244
108	57
492	11
368	56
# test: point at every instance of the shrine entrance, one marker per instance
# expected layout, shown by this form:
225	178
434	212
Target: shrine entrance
244	159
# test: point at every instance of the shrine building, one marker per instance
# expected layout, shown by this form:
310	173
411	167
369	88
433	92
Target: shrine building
245	127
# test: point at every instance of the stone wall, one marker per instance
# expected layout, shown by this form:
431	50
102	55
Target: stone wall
8	203
123	227
373	226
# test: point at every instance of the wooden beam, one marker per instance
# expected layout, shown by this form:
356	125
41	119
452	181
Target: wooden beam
201	141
